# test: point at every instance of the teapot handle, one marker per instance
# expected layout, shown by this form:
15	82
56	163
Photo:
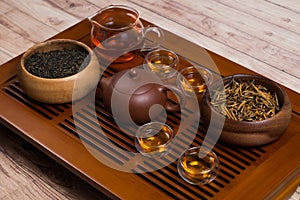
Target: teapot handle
178	92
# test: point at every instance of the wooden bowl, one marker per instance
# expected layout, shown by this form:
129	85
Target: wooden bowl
243	133
59	90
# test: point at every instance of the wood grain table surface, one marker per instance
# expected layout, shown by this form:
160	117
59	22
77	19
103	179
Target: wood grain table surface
262	35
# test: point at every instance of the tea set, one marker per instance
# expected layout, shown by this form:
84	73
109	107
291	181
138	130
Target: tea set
118	36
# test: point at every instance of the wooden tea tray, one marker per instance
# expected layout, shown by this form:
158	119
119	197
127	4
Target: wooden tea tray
265	172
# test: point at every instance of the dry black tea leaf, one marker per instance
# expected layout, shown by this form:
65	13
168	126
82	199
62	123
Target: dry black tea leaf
245	101
57	63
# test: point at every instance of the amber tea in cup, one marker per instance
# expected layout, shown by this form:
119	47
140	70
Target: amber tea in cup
154	139
118	34
197	167
194	79
164	63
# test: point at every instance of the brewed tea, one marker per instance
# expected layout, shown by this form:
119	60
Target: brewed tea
118	34
194	82
121	47
154	139
164	63
157	141
161	65
196	168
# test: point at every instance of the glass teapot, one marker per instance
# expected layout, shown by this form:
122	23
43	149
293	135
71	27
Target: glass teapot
118	35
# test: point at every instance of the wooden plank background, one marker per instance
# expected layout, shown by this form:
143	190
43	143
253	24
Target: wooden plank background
262	35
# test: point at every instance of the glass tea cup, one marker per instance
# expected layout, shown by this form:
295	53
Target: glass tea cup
197	167
163	62
118	35
154	139
195	79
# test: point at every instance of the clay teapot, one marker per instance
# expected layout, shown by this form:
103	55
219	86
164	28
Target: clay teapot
130	96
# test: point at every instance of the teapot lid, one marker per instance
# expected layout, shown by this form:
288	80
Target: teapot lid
133	81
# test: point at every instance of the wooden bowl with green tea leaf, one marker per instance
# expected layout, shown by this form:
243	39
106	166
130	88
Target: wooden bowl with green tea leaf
49	70
254	109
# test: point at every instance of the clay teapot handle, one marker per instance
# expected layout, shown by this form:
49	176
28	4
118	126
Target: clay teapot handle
178	92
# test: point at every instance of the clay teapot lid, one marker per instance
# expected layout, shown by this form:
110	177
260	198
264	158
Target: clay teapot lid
133	81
